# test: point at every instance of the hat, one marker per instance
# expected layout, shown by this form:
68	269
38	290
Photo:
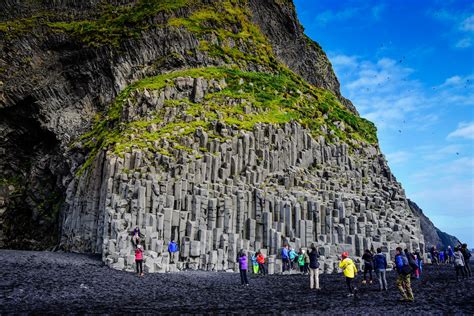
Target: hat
139	246
345	254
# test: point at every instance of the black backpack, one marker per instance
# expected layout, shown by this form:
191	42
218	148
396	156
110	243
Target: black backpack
412	261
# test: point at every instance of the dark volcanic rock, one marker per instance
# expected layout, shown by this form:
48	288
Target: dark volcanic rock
59	283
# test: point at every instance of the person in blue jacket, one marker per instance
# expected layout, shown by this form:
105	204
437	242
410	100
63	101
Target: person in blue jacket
450	254
285	258
380	267
292	255
403	280
173	251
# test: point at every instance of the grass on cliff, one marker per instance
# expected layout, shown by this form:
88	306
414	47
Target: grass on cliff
268	98
108	26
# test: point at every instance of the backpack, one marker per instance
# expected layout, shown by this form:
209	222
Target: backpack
412	261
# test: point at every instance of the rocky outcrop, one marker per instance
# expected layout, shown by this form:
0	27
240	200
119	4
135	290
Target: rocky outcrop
433	236
212	123
253	190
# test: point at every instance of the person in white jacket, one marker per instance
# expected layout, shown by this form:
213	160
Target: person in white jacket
459	263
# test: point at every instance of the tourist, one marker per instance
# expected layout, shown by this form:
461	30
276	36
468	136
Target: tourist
139	259
419	262
441	256
243	265
459	263
300	260
173	251
450	255
467	257
306	262
380	266
404	271
261	263
350	271
253	259
411	261
136	236
368	261
285	258
314	268
434	255
293	257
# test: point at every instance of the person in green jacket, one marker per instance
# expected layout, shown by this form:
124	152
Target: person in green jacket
301	263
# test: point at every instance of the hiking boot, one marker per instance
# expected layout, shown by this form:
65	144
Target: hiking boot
350	295
370	282
364	282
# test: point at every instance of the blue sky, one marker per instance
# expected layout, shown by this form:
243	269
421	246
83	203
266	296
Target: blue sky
408	66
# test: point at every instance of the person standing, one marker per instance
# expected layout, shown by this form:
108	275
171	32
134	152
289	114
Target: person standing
350	271
368	261
467	257
139	259
403	280
459	263
380	266
253	259
285	258
243	266
261	263
301	260
450	254
419	262
293	257
314	268
173	251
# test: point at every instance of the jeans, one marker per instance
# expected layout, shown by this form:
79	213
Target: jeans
139	266
367	269
467	268
460	270
243	277
314	278
381	273
404	285
286	264
261	268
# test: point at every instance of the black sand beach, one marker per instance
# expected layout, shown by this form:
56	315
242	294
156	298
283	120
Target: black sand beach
59	283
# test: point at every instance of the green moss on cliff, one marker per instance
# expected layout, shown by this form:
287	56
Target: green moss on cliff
249	98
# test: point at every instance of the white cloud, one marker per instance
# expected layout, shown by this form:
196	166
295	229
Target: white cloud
464	43
385	92
468	24
464	130
398	157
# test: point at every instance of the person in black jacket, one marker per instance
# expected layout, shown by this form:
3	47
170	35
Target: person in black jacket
467	257
314	268
368	265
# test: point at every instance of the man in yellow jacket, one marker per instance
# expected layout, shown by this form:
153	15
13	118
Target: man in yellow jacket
350	271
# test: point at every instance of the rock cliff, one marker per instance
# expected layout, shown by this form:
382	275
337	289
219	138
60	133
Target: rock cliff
215	123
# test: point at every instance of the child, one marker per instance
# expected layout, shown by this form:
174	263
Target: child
301	261
243	265
350	271
254	263
139	259
261	262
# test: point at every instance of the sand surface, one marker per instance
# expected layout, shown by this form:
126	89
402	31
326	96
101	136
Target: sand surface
59	283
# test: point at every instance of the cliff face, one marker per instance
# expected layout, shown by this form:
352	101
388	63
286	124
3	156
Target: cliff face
433	236
215	124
